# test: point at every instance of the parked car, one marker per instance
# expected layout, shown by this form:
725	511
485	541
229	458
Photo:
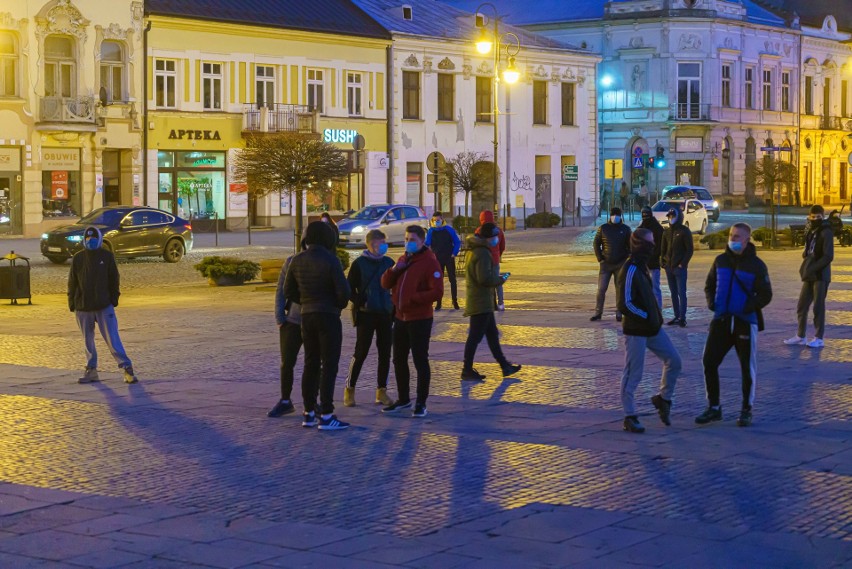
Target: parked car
392	219
695	216
694	192
128	232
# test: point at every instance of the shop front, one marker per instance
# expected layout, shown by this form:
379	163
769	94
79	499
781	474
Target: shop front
192	184
61	189
11	202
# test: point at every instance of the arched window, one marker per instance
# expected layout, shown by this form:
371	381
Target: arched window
60	70
112	71
8	65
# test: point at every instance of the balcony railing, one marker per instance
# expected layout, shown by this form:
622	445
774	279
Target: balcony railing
689	112
67	109
835	123
279	118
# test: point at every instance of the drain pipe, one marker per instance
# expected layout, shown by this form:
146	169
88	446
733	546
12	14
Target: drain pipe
389	114
145	31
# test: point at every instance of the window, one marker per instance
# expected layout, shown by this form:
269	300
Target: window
567	104
353	93
165	83
767	90
410	213
410	95
483	99
844	98
211	86
809	95
539	102
60	71
688	90
8	65
315	88
726	85
264	82
785	91
749	88
112	71
413	183
446	96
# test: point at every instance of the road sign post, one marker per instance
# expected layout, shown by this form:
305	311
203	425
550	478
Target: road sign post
435	162
613	169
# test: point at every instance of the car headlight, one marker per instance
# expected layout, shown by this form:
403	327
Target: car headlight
358	229
44	235
75	238
715	203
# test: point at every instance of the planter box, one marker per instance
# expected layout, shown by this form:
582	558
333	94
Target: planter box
270	270
225	281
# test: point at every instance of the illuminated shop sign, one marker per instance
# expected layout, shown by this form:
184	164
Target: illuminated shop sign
182	134
339	135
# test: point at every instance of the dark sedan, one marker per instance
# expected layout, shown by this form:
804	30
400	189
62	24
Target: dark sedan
128	232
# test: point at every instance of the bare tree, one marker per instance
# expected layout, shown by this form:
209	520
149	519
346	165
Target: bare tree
466	175
289	163
771	174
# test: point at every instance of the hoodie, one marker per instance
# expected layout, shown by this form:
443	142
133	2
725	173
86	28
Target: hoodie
651	224
677	247
481	277
818	253
365	280
444	242
487	216
93	282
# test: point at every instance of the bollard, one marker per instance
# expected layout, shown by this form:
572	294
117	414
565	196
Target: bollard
525	215
216	222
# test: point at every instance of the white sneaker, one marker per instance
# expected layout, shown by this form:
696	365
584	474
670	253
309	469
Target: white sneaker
501	307
816	343
795	341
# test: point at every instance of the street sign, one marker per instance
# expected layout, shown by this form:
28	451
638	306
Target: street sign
431	183
613	169
358	142
786	149
770	148
637	163
570	173
637	152
435	162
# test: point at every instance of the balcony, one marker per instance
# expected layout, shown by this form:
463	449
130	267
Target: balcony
280	118
67	110
835	123
698	112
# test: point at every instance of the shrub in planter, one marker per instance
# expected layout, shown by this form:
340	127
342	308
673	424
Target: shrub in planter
464	224
343	257
761	234
227	270
542	219
716	240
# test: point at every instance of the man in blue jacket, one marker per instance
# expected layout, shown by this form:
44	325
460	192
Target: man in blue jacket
737	289
445	244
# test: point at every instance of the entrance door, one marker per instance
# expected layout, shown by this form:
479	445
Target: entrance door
10	205
543	199
688	172
112	178
844	168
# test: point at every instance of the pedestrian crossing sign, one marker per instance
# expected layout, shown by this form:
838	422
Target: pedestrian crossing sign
637	162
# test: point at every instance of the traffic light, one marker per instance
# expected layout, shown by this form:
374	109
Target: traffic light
650	162
660	161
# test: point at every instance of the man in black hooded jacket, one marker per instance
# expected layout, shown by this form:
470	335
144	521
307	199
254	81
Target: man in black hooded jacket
675	255
612	247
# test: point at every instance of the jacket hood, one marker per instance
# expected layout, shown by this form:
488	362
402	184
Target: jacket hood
93	231
678	219
486	217
474	241
320	233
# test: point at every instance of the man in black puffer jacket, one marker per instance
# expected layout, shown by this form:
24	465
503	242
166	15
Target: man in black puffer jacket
316	282
650	223
612	247
675	255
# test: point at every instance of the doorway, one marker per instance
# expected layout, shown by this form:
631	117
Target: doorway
11	222
543	201
688	172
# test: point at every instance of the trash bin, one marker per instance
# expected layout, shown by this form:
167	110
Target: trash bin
15	279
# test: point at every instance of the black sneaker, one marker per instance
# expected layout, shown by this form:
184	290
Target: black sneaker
456	305
396	407
419	411
664	408
744	420
682	323
618	317
709	415
595	318
438	307
309	420
673	322
332	424
511	369
281	408
471	375
632	424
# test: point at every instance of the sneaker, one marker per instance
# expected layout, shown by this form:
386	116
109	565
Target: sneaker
511	369
309	419
419	411
816	343
618	317
501	307
332	424
664	409
349	396
632	424
383	397
89	376
709	415
456	305
396	406
471	375
595	318
795	341
437	307
281	408
744	420
673	322
682	323
129	376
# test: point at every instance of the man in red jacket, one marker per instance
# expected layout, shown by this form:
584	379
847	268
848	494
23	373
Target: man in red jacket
496	252
415	282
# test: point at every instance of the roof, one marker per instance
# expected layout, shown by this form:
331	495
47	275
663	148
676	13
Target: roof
441	20
813	12
326	16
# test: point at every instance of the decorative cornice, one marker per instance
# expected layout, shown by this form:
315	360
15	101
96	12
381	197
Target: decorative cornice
62	18
411	61
446	64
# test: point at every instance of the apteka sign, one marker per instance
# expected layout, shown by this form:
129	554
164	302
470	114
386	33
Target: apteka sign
182	134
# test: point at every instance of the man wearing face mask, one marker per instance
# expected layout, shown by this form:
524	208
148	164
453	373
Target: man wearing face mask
737	289
374	315
415	282
443	240
816	277
612	247
650	223
93	291
675	254
642	328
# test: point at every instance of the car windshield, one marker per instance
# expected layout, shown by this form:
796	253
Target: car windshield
103	217
666	206
704	195
369	213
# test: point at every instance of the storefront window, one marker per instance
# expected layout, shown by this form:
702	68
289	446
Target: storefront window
201	195
60	183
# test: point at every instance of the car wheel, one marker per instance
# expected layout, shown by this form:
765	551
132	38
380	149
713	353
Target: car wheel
173	251
703	227
56	260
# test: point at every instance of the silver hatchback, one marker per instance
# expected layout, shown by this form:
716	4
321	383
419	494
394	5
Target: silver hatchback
391	219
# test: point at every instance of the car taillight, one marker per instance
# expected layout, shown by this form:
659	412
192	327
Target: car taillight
188	226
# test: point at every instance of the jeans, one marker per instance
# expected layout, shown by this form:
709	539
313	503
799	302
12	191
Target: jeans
448	267
483	325
290	342
322	335
812	292
634	365
604	276
658	293
499	288
108	326
677	285
368	323
724	334
412	336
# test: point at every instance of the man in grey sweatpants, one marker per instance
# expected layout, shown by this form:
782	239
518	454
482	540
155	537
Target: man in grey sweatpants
642	327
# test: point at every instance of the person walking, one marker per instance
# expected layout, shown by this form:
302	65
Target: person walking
737	290
315	280
487	216
373	314
415	282
650	223
643	330
624	195
481	278
289	319
675	254
815	272
93	291
612	247
443	240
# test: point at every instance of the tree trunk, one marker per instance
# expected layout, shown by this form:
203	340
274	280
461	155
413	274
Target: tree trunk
299	220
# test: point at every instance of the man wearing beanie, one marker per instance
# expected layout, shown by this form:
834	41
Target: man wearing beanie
642	327
612	247
816	276
675	254
316	282
650	223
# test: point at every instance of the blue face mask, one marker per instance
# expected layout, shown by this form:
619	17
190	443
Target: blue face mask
412	247
439	223
494	241
91	243
735	246
616	219
383	249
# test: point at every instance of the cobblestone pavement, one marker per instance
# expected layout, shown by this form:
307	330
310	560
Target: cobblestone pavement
184	468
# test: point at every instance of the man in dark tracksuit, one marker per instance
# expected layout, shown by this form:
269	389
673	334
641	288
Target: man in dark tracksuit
612	247
737	289
816	276
445	243
650	223
315	280
289	319
675	255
